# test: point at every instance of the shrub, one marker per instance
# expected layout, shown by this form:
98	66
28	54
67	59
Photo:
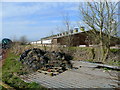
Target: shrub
115	50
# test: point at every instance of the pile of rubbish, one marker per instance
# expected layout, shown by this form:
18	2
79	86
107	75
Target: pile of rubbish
37	59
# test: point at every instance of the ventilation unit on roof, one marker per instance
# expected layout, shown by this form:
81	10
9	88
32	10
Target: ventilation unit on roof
58	35
66	33
82	28
63	33
71	31
75	30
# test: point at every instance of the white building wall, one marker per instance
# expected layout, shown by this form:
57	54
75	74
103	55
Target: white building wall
39	42
47	41
33	42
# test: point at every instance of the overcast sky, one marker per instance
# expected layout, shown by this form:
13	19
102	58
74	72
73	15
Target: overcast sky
35	20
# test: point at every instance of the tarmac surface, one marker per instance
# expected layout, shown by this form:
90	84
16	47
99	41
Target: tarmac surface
86	76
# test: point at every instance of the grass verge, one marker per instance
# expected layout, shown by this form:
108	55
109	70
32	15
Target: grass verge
12	66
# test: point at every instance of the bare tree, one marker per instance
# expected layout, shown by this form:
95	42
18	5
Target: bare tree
101	19
23	40
69	38
65	38
51	45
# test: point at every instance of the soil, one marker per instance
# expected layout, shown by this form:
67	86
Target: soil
4	54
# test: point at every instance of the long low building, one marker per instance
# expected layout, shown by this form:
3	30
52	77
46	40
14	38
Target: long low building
73	38
48	41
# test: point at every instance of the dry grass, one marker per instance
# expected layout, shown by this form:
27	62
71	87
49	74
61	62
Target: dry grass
18	49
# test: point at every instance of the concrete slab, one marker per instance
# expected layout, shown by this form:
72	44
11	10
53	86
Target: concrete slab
86	76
